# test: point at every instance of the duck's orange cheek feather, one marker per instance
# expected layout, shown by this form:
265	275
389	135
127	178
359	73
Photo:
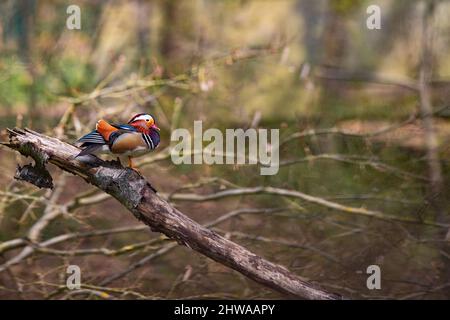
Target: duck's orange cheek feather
127	142
105	129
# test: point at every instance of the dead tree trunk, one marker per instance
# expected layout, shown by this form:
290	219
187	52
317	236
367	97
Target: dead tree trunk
137	195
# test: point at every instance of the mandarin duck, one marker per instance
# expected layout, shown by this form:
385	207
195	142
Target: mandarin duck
139	136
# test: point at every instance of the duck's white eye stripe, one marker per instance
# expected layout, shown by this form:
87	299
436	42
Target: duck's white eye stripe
143	117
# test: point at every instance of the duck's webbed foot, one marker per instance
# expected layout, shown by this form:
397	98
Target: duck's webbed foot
131	166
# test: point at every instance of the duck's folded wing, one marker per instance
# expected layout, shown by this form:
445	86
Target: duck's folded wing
93	148
125	127
93	137
91	143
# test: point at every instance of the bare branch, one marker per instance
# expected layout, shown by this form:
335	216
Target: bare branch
305	197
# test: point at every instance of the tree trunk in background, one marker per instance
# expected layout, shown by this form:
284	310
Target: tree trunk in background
426	110
435	192
23	23
334	40
396	20
312	14
143	9
178	35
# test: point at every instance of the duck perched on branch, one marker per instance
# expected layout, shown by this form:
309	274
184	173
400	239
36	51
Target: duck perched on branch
139	136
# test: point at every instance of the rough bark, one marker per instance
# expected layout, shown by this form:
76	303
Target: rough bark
134	192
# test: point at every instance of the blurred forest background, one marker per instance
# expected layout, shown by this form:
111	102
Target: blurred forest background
363	117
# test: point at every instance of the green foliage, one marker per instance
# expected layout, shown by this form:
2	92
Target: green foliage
345	7
69	76
14	82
